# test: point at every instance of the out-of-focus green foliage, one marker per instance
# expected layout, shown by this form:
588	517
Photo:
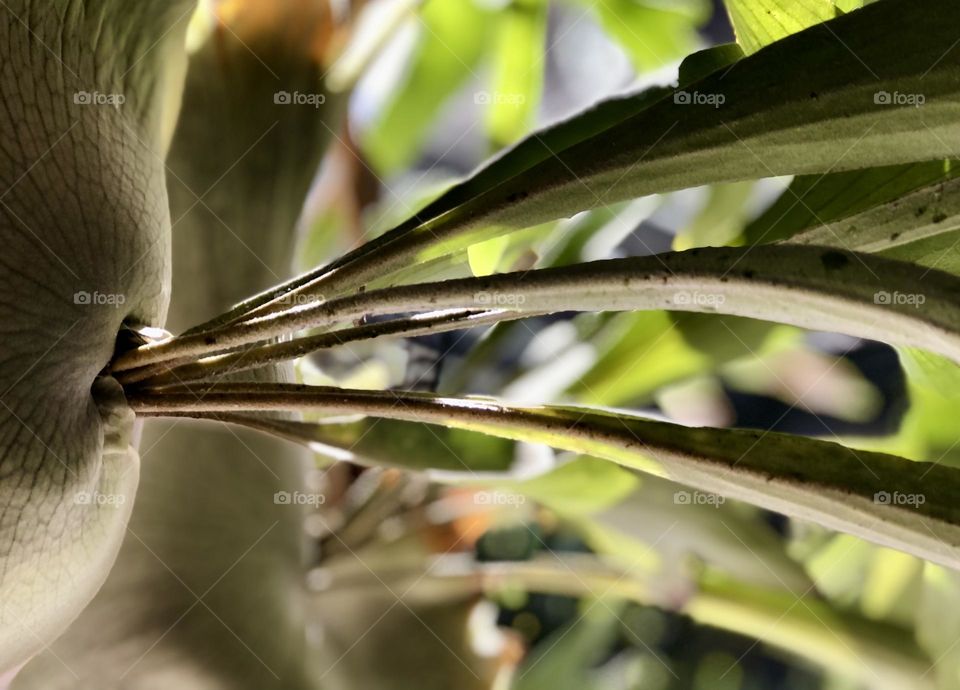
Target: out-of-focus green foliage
453	36
518	57
651	32
503	55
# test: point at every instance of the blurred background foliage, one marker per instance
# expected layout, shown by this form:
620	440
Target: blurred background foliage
708	594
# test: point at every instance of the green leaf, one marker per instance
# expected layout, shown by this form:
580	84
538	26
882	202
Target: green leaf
891	585
519	63
932	371
905	505
719	535
920	227
721	220
485	256
454	35
652	33
759	23
810	287
869	652
412	446
703	63
929	429
565	659
938	628
883	584
842	208
583	485
637	354
724	338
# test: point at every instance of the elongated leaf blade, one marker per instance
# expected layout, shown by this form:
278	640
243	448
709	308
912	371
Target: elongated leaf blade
895	502
836	208
811	287
453	37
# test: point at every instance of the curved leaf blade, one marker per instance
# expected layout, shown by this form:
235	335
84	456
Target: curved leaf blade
856	492
920	227
811	287
830	207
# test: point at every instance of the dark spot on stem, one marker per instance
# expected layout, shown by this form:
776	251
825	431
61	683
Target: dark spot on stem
833	261
939	217
517	196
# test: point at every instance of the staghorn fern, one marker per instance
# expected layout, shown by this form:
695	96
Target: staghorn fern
823	104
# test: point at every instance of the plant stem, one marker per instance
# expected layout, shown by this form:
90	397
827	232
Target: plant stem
186	370
809	287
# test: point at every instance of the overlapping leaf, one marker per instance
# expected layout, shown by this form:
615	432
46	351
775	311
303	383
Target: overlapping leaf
811	103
